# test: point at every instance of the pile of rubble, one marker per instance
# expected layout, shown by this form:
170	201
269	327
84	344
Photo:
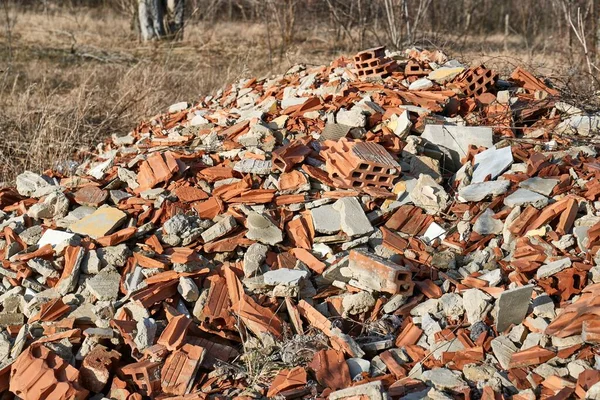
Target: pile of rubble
406	227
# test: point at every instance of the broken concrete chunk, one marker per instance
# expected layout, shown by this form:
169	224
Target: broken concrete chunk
357	303
251	166
43	267
284	276
429	306
421	84
146	332
476	304
353	219
117	195
444	260
261	228
28	182
105	284
32	235
429	195
400	125
452	305
458	139
220	229
543	186
326	219
445	74
11	319
583	125
425	165
254	258
503	349
491	162
543	306
129	177
188	289
395	302
357	366
479	191
433	232
354	117
494	277
91	263
54	237
115	256
55	205
371	391
486	224
522	197
98	170
552	268
512	306
443	378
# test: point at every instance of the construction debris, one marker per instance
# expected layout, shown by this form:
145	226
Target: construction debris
396	225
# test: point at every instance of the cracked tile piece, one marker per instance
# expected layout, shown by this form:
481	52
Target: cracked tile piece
100	223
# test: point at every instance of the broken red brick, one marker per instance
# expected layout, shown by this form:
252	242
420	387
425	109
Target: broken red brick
39	373
96	368
331	369
358	164
180	368
91	196
287	379
145	375
386	276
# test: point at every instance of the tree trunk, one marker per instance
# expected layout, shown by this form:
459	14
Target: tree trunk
594	44
145	20
160	19
175	10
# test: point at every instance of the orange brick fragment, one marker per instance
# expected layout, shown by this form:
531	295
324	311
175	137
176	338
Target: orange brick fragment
188	194
156	169
174	334
117	237
567	218
531	356
148	262
51	311
331	369
357	164
209	209
287	379
39	373
429	289
383	275
409	335
180	369
392	364
307	258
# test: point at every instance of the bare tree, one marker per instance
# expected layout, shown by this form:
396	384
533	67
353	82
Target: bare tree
393	25
284	12
579	31
9	24
398	14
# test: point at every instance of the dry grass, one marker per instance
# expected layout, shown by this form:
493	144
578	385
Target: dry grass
69	79
76	78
